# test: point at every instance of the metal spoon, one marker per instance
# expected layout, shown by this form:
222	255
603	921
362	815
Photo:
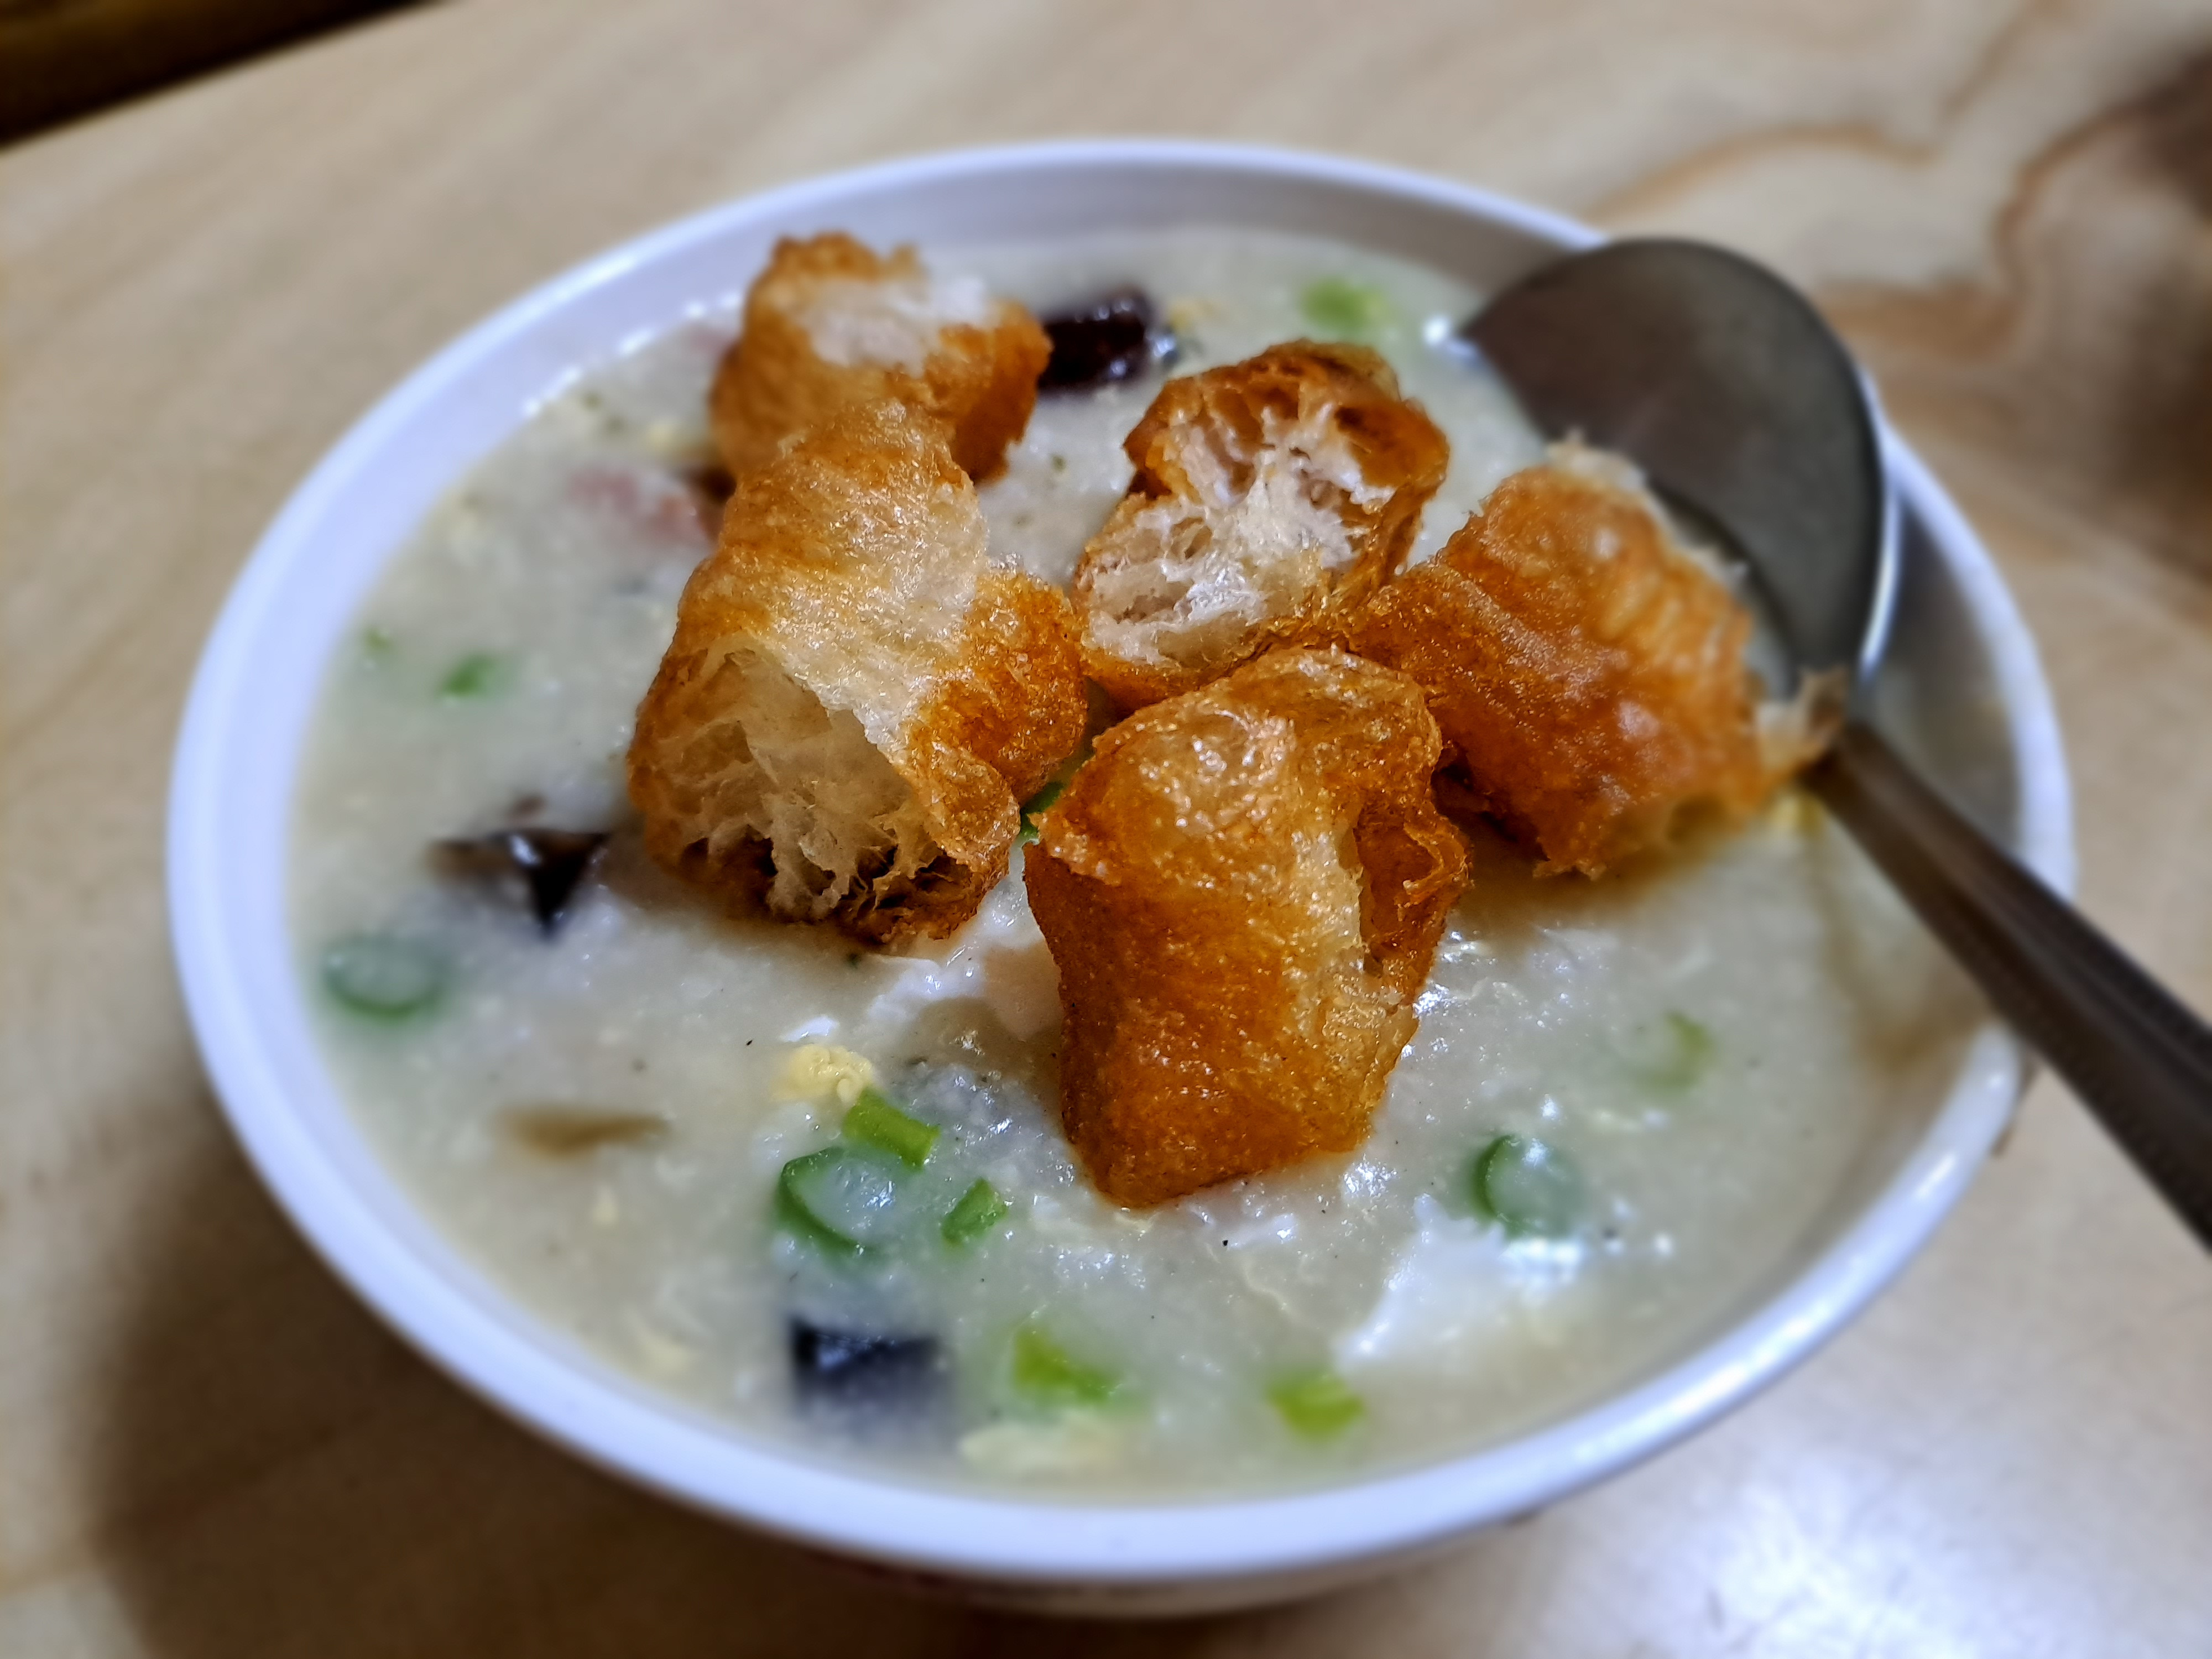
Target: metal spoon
1722	381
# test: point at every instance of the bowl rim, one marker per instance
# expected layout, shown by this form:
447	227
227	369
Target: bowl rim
1013	1537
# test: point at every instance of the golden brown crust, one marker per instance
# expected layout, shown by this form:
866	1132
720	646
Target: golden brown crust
1244	889
1271	497
890	332
856	698
1020	704
1588	674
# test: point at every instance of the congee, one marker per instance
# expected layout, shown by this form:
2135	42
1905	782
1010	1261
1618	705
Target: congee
744	1061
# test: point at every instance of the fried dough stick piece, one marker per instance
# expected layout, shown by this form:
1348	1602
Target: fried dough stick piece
830	323
856	697
1586	672
1271	497
1244	889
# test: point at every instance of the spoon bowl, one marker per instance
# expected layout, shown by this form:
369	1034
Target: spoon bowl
1727	388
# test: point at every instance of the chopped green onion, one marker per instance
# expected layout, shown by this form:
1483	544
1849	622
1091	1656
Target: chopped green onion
1317	1404
1338	308
1046	1374
479	674
1528	1187
1034	808
1681	1057
378	644
979	1209
837	1198
874	1121
382	977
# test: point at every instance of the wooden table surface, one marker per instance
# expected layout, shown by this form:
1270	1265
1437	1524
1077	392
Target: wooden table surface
208	1451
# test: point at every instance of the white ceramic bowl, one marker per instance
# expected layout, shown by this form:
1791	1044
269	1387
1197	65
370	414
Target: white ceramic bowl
1965	693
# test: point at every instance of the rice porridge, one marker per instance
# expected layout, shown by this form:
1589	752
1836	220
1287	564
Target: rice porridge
1626	1101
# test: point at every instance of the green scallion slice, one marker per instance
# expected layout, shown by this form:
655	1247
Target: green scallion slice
1677	1055
383	976
1034	808
839	1199
1317	1404
979	1209
1338	309
873	1120
476	676
1528	1187
1046	1374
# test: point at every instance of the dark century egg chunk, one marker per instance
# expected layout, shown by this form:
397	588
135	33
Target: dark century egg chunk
543	867
1113	337
842	1368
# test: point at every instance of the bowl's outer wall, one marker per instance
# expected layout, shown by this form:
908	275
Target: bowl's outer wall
1965	693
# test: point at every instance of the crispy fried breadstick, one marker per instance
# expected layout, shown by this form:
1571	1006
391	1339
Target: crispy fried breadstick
1586	672
1271	497
856	696
1244	889
830	322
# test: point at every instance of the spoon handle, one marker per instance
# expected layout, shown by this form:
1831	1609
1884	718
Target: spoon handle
2141	1061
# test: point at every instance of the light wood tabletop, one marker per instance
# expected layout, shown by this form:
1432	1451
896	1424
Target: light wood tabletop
208	1451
